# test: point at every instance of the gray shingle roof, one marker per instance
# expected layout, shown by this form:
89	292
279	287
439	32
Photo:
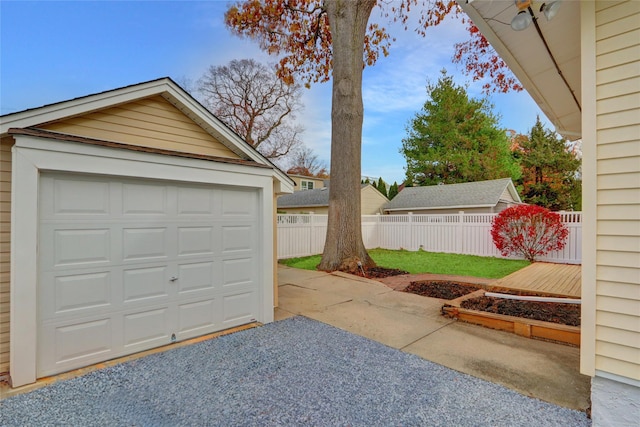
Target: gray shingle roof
467	195
307	198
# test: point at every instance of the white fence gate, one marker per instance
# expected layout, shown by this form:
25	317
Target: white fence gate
303	235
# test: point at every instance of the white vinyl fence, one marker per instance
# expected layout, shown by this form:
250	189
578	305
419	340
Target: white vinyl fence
303	235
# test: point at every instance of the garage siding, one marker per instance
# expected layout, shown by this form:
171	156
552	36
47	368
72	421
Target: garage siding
618	203
151	122
5	243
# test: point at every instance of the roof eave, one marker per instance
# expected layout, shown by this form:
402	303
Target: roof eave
439	207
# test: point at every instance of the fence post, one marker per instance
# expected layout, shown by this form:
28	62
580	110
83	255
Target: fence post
460	228
412	243
312	233
376	233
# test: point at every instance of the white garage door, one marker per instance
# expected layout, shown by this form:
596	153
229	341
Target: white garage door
127	265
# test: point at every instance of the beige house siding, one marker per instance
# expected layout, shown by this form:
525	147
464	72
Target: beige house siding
372	201
617	305
317	182
5	242
151	122
506	195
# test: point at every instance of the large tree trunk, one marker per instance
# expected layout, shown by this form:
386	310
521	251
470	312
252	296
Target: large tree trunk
344	249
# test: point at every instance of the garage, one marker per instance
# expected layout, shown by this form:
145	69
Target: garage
126	265
127	238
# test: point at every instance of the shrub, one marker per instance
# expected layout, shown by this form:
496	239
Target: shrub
528	230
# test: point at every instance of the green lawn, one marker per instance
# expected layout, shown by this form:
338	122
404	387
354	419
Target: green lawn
429	262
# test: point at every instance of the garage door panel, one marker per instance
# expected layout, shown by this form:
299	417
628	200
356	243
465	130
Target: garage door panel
65	346
196	201
79	197
145	243
71	294
196	277
196	241
239	308
196	318
84	247
148	328
238	271
237	238
145	283
82	292
143	199
237	204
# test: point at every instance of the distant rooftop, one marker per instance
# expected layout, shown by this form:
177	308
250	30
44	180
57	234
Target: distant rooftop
464	195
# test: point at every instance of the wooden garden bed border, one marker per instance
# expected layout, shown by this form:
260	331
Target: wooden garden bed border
529	328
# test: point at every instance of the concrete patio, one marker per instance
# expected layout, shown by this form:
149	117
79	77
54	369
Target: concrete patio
412	323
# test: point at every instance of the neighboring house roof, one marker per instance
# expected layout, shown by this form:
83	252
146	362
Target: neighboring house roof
305	198
318	197
450	196
164	87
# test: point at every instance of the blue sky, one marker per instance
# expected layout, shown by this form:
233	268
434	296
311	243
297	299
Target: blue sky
52	51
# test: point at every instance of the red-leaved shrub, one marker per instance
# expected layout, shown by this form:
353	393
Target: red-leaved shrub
528	230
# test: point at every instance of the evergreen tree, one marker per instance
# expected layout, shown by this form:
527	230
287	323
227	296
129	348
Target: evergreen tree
393	190
456	139
381	186
549	170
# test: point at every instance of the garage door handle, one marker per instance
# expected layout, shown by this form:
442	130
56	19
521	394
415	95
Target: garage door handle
173	279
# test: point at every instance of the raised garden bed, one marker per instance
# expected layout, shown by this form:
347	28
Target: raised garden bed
528	327
467	302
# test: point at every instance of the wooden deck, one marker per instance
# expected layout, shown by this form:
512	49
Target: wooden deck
544	278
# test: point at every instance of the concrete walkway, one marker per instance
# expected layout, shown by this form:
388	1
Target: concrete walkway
413	324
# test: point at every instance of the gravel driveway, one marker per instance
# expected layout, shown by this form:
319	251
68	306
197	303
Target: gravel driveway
293	372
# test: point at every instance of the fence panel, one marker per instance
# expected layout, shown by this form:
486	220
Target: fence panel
303	235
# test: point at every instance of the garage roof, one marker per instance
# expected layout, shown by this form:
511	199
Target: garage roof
164	87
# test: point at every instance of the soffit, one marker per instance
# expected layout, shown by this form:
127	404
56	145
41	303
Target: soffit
525	53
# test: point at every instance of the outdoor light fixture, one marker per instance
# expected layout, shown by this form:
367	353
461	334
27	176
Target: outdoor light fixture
550	9
523	19
525	16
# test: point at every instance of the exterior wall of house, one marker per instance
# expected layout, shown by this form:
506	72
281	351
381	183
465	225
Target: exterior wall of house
151	122
317	182
372	201
506	195
610	348
5	244
618	188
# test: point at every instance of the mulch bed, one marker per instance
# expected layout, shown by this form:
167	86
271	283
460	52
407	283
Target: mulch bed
441	289
565	314
381	272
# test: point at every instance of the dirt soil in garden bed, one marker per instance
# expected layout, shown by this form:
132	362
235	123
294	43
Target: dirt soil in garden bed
565	314
381	272
441	289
